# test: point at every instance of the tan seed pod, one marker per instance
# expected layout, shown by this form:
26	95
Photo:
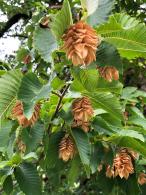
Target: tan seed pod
123	164
142	178
82	113
18	113
109	73
109	171
21	146
80	43
27	59
66	148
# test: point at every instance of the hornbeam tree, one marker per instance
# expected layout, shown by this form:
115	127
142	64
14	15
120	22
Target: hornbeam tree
73	98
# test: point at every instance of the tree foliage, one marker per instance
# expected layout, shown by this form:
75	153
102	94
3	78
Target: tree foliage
88	118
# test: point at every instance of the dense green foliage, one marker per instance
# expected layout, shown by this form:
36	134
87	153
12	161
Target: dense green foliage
41	73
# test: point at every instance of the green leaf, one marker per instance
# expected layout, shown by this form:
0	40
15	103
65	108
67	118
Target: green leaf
57	83
107	55
9	86
131	133
8	185
3	164
125	141
105	86
128	92
62	20
83	145
88	79
137	117
107	102
5	129
96	156
101	126
74	170
97	10
33	136
30	156
44	42
21	53
126	34
31	90
28	179
52	154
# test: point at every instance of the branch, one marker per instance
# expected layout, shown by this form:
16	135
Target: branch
17	35
58	106
13	20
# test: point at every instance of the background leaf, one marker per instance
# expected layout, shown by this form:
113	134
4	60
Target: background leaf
5	128
74	170
33	136
83	145
31	90
44	42
88	79
126	34
107	102
52	154
28	179
97	10
107	55
8	185
62	20
130	142
9	86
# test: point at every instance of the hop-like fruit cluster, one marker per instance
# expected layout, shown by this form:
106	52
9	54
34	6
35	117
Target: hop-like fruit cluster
66	148
18	113
122	165
142	178
27	59
21	145
80	43
82	112
109	73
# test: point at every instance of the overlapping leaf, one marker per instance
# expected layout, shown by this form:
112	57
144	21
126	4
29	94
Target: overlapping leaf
62	20
9	85
33	136
44	42
107	102
89	80
107	55
5	128
97	10
83	145
126	34
31	90
28	179
52	153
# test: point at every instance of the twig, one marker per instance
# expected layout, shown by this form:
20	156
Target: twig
58	106
55	6
53	92
17	35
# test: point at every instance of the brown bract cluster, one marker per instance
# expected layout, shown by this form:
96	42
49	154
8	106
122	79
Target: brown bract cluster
21	146
82	112
18	113
27	59
122	164
109	73
142	178
66	148
80	43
